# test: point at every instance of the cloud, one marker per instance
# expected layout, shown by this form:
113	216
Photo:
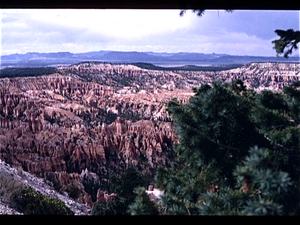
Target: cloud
48	26
81	30
261	23
114	23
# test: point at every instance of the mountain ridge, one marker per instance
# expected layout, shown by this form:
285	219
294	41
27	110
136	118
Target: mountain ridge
156	58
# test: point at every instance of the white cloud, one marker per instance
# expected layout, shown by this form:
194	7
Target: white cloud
114	23
74	30
83	27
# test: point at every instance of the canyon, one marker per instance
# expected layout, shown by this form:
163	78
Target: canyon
92	119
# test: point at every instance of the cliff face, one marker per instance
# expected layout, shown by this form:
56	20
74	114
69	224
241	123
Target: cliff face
102	118
58	117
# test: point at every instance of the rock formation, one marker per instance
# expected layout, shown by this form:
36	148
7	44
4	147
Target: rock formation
102	117
63	125
257	75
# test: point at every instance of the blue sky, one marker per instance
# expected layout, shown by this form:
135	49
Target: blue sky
242	32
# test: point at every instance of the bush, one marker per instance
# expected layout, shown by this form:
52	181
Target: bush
73	189
8	187
91	187
124	187
28	201
116	206
142	204
55	182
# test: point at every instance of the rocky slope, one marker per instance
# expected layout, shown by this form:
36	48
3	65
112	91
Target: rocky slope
92	119
42	187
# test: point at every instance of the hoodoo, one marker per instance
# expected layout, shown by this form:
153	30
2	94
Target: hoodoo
104	118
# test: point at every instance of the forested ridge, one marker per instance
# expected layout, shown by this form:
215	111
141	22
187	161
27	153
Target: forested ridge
26	72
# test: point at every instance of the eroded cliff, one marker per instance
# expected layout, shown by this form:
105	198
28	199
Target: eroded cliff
63	125
92	119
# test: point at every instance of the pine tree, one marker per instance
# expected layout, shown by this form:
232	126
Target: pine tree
238	153
287	43
142	204
124	187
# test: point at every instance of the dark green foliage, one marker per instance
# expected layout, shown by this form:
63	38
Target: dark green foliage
72	189
26	200
116	206
142	204
288	41
125	185
91	187
150	66
245	143
226	202
215	127
269	185
27	72
55	182
31	202
124	188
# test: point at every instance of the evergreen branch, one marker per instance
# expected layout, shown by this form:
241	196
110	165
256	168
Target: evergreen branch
221	145
279	145
288	41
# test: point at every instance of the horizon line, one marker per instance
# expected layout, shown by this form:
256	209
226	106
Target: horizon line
294	56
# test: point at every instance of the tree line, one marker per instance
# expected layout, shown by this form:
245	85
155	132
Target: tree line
26	72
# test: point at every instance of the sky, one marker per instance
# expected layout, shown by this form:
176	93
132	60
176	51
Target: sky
241	32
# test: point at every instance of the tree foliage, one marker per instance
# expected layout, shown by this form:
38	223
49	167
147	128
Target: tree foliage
142	204
27	72
124	187
30	202
199	12
238	153
287	43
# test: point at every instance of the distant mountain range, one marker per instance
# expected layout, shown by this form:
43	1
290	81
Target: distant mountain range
159	59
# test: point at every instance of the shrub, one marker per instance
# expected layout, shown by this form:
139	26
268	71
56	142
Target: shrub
142	204
116	206
124	187
8	187
28	201
73	189
91	187
55	182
